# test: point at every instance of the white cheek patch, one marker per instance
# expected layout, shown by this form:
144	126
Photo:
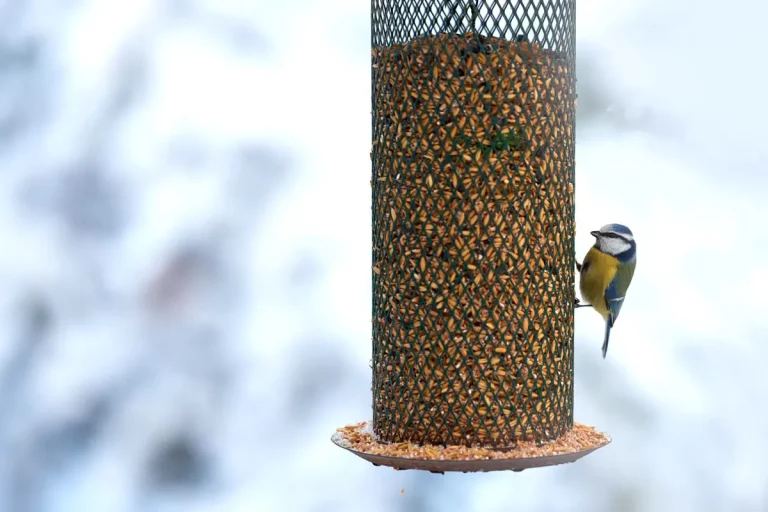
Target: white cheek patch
614	246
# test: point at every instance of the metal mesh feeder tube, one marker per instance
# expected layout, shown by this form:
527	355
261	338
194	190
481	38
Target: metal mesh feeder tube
473	237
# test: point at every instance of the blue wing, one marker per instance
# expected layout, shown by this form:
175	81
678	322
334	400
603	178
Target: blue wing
617	289
614	301
614	298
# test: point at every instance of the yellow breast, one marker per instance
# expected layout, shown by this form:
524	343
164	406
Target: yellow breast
595	278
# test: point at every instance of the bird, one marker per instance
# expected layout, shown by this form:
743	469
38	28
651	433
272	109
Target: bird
606	272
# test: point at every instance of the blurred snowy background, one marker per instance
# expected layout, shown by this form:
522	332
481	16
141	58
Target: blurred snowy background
185	262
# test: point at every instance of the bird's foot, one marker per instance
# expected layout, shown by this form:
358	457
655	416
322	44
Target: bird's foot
577	304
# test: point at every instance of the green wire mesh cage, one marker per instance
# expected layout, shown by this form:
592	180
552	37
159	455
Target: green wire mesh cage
473	221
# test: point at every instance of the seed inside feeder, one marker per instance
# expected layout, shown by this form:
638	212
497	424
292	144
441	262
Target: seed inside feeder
473	229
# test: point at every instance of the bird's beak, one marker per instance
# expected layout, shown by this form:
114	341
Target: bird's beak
595	233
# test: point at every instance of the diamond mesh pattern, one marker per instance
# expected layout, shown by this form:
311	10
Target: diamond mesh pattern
473	220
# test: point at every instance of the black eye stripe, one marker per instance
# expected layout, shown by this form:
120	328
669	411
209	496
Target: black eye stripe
613	235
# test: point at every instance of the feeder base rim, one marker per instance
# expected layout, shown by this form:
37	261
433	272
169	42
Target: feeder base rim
458	465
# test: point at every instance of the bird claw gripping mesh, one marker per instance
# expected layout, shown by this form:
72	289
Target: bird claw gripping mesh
473	221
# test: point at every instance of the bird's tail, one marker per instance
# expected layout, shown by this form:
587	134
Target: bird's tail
607	335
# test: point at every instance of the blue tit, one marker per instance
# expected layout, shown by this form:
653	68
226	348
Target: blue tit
606	272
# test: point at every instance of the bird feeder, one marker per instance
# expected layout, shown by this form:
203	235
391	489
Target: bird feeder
473	237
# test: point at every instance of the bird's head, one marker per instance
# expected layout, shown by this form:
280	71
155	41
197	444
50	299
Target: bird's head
616	240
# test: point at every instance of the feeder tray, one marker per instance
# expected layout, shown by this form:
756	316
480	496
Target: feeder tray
359	439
